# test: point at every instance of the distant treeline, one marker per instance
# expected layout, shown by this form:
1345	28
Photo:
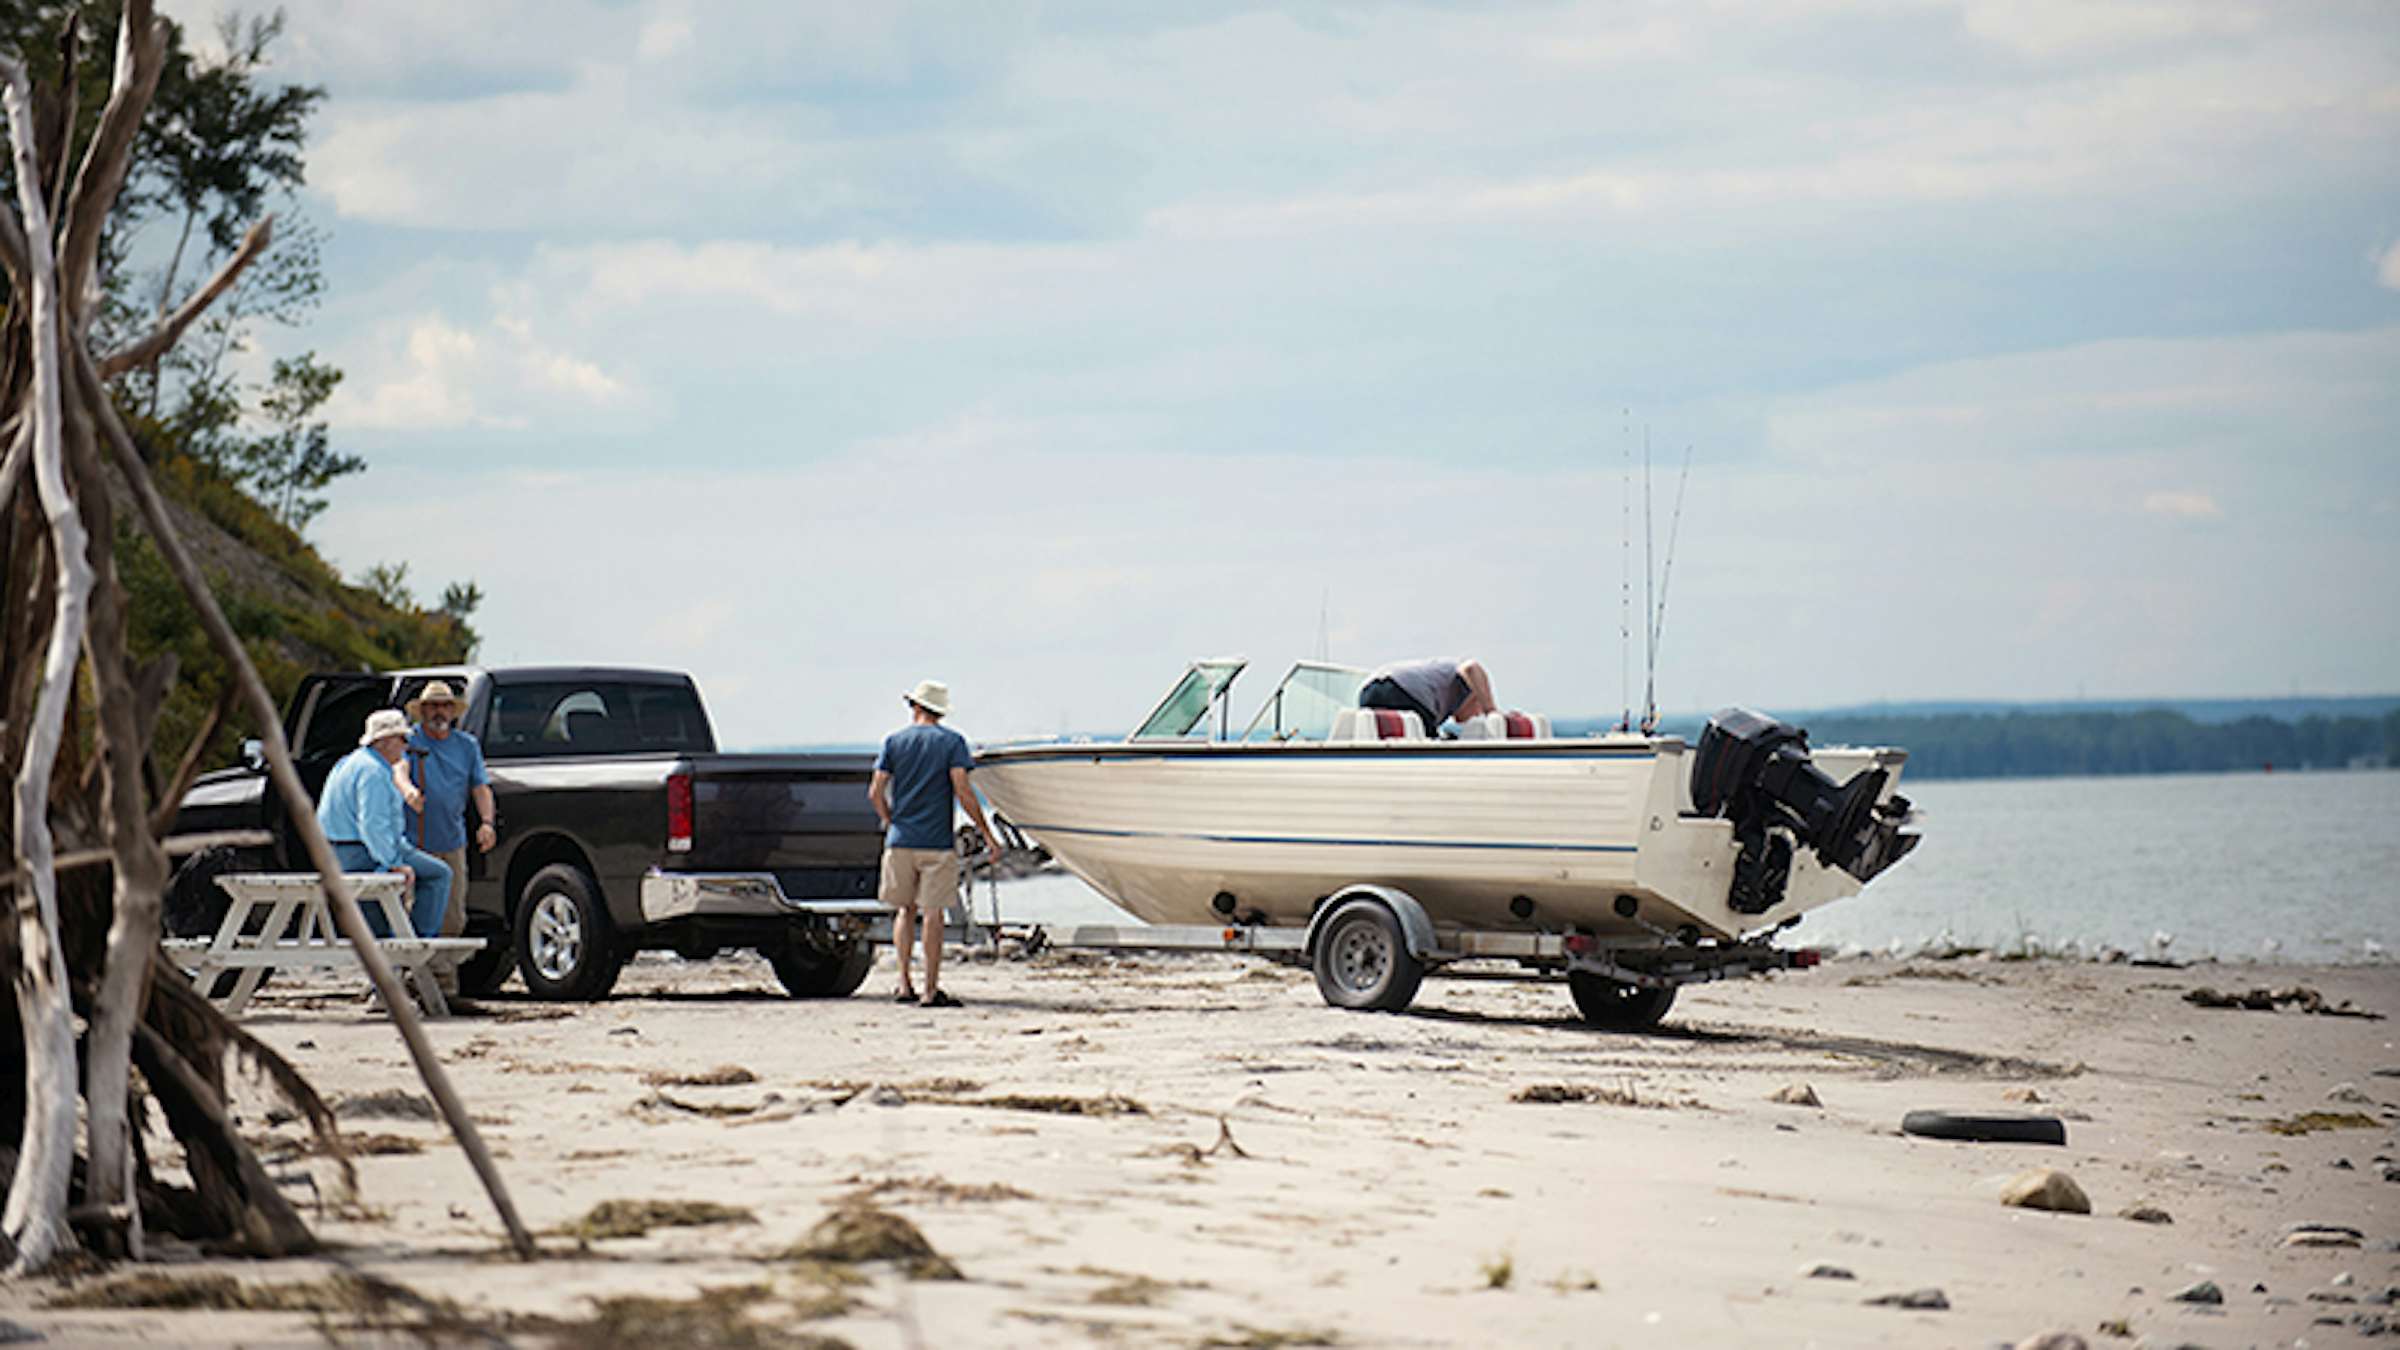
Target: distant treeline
2043	744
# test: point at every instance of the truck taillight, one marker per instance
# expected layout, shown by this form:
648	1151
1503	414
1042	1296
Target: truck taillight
679	813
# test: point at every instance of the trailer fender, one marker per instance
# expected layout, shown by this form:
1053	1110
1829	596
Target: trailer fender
1416	927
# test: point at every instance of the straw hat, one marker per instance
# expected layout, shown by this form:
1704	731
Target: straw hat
931	695
381	723
438	691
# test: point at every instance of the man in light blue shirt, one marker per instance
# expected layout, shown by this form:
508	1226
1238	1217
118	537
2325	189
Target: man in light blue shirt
362	816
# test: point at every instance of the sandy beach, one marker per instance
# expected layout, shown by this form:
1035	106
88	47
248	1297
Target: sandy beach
1196	1151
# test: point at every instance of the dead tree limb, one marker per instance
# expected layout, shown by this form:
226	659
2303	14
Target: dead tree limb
36	1216
141	55
284	780
140	877
154	344
162	817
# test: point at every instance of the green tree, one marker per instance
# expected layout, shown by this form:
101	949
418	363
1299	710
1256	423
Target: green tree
289	465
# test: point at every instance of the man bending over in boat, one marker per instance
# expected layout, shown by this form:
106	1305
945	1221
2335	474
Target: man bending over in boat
922	769
1435	689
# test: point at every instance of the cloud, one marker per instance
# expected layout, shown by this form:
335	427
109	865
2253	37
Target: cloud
2387	270
2182	505
442	376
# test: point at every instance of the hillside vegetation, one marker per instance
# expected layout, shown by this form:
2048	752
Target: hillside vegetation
294	612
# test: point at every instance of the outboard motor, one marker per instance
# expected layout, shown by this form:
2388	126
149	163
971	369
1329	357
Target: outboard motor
1756	772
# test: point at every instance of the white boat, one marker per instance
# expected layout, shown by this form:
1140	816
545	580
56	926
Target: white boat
1621	843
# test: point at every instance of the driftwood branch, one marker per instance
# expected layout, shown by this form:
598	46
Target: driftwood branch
174	846
141	55
36	1215
154	344
139	878
163	816
284	781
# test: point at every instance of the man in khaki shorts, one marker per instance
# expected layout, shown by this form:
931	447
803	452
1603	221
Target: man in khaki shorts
921	770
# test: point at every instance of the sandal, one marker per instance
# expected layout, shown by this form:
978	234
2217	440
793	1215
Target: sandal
939	998
904	996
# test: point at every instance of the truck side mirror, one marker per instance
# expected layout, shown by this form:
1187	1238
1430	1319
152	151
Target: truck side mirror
254	753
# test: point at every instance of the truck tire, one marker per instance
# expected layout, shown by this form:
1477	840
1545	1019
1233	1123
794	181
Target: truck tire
565	947
481	975
809	973
1613	1005
1363	962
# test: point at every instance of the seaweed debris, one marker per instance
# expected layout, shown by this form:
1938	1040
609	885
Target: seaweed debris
859	1233
633	1218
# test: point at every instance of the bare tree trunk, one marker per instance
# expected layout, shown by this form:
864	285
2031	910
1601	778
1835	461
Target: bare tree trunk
141	876
36	1216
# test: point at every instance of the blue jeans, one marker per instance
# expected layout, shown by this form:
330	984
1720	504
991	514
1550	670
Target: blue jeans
432	890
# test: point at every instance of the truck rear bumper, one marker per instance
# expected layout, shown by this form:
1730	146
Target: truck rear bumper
668	896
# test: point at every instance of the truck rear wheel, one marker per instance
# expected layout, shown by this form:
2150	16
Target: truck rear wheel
1362	960
810	972
565	947
1614	1005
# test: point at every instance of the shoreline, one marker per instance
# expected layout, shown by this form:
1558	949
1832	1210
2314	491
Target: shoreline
1145	1150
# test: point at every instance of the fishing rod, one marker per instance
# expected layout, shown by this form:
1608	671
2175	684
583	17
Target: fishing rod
1625	577
1658	615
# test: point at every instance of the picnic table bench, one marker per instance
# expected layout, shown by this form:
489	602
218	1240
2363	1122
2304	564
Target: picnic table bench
281	920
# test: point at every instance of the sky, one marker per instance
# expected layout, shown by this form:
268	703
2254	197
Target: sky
2028	350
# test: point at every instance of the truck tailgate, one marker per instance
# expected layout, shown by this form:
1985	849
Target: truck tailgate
804	818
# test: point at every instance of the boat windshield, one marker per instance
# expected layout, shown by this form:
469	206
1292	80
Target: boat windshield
1187	705
1302	707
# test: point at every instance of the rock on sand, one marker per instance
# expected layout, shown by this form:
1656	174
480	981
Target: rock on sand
1795	1094
2046	1188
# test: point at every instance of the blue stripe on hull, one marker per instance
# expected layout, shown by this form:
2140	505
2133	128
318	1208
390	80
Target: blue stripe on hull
1332	843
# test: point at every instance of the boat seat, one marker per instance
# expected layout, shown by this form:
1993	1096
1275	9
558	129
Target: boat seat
1376	724
1505	726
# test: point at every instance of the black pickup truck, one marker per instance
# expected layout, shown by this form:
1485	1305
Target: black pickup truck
621	829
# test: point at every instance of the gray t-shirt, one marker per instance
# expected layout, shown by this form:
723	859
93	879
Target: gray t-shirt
1434	683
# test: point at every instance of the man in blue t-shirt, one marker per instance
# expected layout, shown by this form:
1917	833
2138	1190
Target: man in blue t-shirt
921	770
445	770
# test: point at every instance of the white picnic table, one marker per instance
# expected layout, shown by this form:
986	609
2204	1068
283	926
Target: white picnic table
297	931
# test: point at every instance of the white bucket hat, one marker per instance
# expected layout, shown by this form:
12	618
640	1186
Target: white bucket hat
383	722
931	695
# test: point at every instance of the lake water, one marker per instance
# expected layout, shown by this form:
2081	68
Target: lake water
2220	864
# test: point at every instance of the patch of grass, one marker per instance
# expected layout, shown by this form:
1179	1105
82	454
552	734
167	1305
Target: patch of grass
392	1104
1259	1338
1500	1271
1541	1094
633	1218
854	1234
165	1292
715	1319
724	1075
934	1188
1133	1291
713	1110
1106	1104
2309	1122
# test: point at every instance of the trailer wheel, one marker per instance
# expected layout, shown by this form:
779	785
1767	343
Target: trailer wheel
807	972
1613	1005
1363	961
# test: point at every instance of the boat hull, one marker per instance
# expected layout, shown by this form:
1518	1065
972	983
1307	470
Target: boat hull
1472	830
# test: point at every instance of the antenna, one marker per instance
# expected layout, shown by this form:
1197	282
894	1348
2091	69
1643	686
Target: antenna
1324	627
1658	616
